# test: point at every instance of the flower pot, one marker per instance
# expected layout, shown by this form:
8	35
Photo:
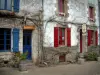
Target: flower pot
25	65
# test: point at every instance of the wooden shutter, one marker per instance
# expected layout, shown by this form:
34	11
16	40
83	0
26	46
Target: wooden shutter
60	36
9	5
68	37
2	4
89	37
56	31
16	5
15	40
96	38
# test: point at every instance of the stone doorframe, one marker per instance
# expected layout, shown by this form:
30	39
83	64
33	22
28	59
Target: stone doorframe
84	40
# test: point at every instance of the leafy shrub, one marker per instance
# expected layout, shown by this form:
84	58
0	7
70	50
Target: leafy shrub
21	56
91	56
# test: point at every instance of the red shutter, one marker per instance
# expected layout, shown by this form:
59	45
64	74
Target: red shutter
56	43
89	37
60	36
96	39
68	37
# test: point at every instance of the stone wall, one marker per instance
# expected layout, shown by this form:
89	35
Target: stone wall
94	49
6	56
52	54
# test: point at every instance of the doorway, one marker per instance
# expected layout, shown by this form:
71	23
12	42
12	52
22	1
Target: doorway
80	40
27	44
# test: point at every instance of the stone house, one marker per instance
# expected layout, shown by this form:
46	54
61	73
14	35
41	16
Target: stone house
70	25
17	34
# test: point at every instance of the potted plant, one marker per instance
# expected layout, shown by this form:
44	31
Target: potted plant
23	62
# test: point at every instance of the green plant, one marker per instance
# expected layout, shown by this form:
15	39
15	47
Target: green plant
91	56
21	56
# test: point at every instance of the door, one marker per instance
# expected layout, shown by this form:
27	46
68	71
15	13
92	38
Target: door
80	40
27	42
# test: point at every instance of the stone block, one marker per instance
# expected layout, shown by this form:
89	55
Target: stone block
70	57
25	65
81	61
98	59
56	59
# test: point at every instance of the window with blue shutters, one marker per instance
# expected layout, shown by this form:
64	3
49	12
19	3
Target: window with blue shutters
5	39
8	5
15	40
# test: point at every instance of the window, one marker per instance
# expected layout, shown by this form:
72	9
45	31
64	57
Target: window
92	37
7	5
61	7
91	13
62	36
5	39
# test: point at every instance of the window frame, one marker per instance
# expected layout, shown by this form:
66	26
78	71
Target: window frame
60	36
5	39
61	7
91	13
67	37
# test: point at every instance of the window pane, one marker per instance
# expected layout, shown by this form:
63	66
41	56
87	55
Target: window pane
1	42
9	4
8	31
1	47
2	31
2	4
8	42
8	47
63	32
63	36
8	37
1	37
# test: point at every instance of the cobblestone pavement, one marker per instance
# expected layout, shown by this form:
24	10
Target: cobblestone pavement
89	68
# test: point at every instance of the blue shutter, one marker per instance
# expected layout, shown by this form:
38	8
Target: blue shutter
16	5
9	5
15	40
2	4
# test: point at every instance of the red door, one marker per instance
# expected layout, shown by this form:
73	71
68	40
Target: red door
80	40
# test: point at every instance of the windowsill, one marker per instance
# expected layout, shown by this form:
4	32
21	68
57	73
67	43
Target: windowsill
5	51
92	19
61	14
61	45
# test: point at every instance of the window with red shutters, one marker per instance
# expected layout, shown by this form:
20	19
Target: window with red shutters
61	7
92	37
91	13
59	36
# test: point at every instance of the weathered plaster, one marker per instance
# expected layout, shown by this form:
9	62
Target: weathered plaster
30	7
78	13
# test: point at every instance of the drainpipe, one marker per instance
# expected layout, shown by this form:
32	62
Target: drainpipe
42	40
